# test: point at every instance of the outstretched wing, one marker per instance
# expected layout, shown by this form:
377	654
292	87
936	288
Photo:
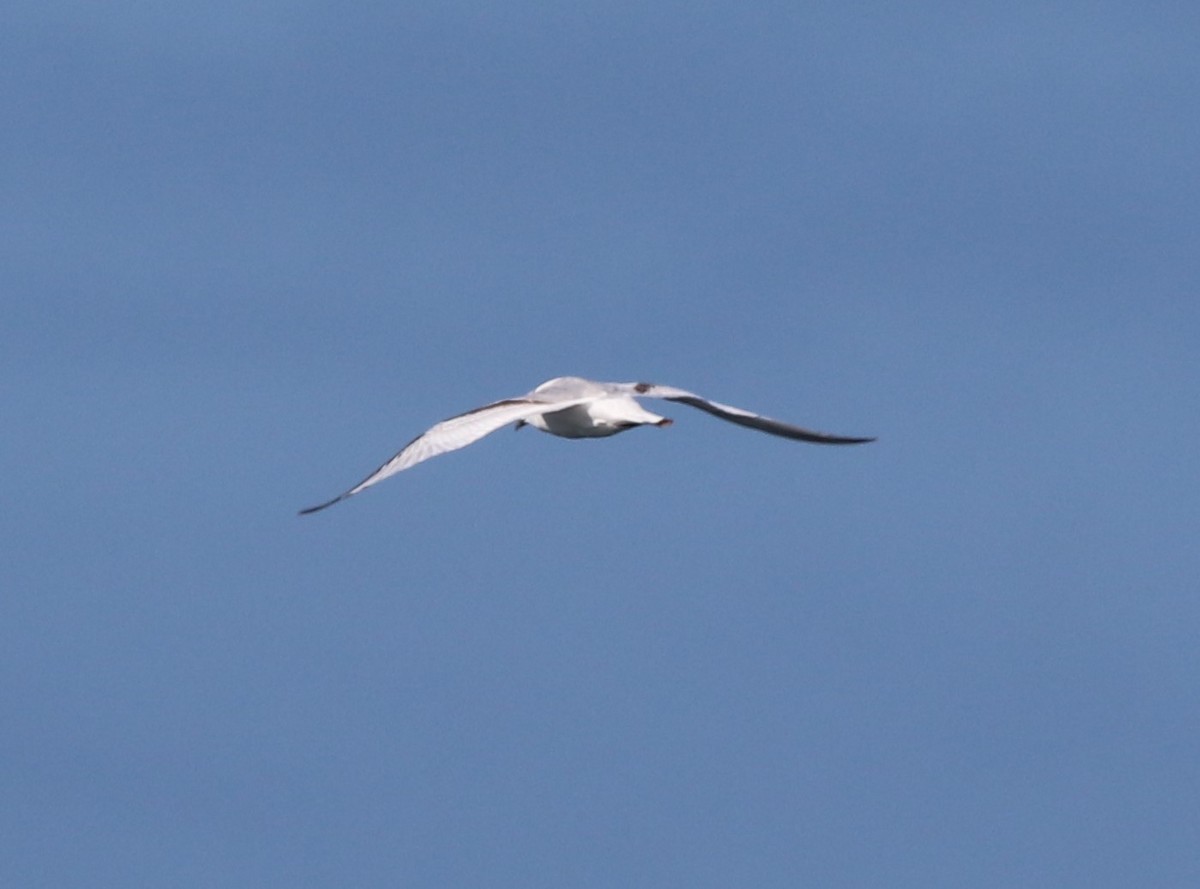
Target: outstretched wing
738	415
448	435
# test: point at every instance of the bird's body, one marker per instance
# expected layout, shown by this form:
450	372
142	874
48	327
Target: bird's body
605	414
572	407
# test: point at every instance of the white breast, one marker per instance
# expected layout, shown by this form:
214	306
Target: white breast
596	419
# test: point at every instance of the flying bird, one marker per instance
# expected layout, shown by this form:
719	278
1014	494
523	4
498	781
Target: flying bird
571	407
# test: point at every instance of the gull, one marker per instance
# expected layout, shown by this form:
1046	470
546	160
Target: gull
571	407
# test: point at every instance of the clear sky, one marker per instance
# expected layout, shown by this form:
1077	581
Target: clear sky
251	248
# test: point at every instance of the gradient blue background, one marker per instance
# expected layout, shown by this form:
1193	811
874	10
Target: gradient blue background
250	248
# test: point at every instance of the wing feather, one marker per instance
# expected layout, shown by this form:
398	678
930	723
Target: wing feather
740	416
448	435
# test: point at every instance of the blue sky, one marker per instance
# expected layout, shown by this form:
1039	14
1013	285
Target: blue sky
250	249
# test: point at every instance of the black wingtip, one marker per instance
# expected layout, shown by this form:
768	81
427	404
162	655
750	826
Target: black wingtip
311	509
827	438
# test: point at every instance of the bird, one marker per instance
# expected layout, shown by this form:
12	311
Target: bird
571	407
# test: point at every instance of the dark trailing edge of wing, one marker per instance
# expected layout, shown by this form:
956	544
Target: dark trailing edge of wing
763	424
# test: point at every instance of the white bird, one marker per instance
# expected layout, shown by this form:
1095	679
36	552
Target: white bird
571	407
